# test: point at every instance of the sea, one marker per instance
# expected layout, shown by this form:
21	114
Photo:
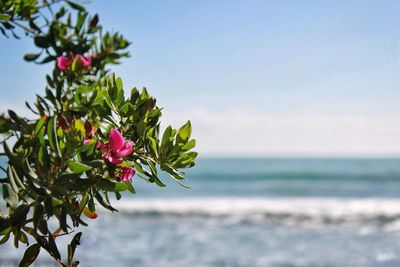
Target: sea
250	212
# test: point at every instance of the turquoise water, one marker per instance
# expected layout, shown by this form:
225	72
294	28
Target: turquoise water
255	212
289	177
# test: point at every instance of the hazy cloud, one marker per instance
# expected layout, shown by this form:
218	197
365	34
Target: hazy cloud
234	133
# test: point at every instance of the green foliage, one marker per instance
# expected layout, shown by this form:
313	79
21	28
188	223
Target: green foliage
59	166
30	255
19	14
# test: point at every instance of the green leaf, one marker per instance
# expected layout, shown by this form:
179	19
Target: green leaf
42	226
37	215
81	19
5	239
76	6
177	179
4	17
4	124
63	219
72	246
107	98
153	167
18	217
10	196
102	202
158	181
107	185
50	96
153	146
127	109
189	145
16	177
23	237
61	13
138	167
185	160
40	124
78	167
119	84
56	202
31	57
34	26
97	163
5	227
14	116
12	178
46	60
41	41
52	135
120	187
166	141
48	206
30	255
134	95
184	133
130	187
120	91
53	247
12	157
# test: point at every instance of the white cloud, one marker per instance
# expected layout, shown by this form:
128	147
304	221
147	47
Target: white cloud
246	133
236	134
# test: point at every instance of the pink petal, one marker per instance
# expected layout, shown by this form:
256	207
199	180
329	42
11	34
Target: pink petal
127	174
105	154
124	177
116	140
63	63
132	172
129	144
86	141
83	61
125	151
114	160
87	61
101	146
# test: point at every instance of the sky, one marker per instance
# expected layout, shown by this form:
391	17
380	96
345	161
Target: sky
256	78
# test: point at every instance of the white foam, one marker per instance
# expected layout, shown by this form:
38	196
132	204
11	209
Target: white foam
317	208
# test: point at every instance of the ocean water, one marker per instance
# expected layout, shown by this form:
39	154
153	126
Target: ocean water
253	212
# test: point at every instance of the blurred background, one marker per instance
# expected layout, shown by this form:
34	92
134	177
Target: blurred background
295	108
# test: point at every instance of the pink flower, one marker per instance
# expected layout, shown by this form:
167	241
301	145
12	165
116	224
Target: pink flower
118	144
87	62
63	62
116	148
126	174
87	140
84	61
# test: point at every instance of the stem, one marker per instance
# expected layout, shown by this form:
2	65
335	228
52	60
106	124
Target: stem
23	27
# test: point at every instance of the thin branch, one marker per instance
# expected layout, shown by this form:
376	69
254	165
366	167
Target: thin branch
23	27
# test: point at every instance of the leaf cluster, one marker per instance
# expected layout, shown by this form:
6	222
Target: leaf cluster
55	169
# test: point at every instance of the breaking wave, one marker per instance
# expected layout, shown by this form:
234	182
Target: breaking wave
322	210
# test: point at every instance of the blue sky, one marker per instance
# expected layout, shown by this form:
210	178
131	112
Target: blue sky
255	77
